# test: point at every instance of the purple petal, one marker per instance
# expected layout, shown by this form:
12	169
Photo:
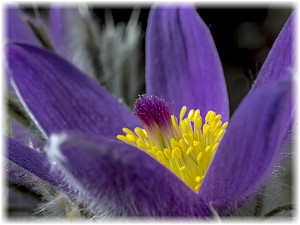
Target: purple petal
17	27
281	58
20	200
30	160
116	179
25	136
58	31
72	33
62	98
182	62
251	146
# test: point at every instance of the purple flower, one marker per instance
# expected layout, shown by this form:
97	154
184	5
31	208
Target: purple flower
106	177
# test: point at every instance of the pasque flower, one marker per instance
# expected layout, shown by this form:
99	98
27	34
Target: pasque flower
107	177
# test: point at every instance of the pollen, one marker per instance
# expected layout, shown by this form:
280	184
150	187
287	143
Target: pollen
185	145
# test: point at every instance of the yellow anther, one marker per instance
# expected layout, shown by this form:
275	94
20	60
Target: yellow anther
155	149
174	143
184	126
168	153
208	115
212	116
127	131
208	149
220	135
151	152
196	143
196	114
197	187
182	112
205	129
199	157
197	179
176	153
122	138
174	121
160	156
218	124
198	123
189	150
185	146
141	144
218	117
188	138
140	132
182	168
215	147
191	114
224	126
182	144
131	138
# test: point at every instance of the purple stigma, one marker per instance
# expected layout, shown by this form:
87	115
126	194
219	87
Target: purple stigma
153	110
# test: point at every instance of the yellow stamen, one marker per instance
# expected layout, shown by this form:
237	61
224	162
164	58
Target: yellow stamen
186	147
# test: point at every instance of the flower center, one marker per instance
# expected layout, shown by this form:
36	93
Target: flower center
185	146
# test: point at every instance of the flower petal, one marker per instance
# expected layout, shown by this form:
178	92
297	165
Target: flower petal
17	28
281	58
251	146
69	33
30	160
75	39
115	179
20	201
59	30
25	136
182	64
62	98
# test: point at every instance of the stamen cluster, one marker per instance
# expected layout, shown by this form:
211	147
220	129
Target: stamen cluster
185	146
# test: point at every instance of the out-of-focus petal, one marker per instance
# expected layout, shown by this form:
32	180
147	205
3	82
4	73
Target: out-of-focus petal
115	179
74	35
252	145
17	28
30	160
182	63
59	31
61	98
20	202
281	58
68	26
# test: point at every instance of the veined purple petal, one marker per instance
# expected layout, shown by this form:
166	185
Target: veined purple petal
251	146
25	136
30	160
182	64
61	98
17	29
281	58
120	180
